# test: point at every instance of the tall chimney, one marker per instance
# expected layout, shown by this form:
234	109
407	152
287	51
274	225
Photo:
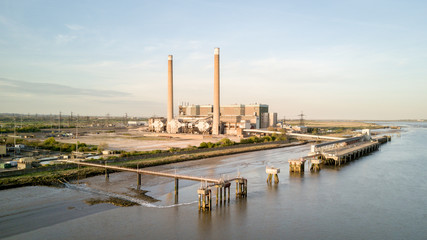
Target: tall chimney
170	88
216	113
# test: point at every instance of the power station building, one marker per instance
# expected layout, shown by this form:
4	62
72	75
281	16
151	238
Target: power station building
212	119
232	117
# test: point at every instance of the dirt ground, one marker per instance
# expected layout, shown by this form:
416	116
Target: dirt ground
135	140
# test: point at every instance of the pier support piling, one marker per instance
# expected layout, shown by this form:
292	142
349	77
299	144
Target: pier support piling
272	171
138	181
217	195
296	165
205	199
176	186
315	165
269	177
276	178
228	192
241	187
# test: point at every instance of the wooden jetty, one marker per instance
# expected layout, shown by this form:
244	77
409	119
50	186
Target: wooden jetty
222	186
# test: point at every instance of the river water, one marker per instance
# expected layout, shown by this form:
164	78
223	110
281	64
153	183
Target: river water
379	196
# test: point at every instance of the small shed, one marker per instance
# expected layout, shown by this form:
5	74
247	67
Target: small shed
27	162
107	152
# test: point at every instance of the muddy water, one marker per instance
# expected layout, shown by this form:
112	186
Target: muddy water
380	196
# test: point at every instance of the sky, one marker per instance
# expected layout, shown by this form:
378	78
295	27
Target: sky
331	59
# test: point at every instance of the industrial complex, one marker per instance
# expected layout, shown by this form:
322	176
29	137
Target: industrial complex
211	119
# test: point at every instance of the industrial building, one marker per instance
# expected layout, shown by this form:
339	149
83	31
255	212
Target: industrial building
232	117
211	119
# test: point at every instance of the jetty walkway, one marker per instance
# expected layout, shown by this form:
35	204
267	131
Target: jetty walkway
338	152
222	186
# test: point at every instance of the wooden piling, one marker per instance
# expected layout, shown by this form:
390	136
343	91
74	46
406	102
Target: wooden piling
228	192
210	200
269	178
107	176
205	199
217	194
245	187
176	186
138	180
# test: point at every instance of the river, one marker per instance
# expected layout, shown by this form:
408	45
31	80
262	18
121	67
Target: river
379	196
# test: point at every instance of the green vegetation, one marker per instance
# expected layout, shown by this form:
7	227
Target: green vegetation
56	177
10	129
112	200
140	153
48	178
35	123
272	138
254	139
53	145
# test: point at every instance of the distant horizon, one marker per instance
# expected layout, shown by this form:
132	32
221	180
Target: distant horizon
134	116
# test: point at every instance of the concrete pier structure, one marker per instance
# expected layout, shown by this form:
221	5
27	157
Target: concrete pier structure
345	154
216	107
315	165
337	152
241	187
222	192
205	199
296	165
271	171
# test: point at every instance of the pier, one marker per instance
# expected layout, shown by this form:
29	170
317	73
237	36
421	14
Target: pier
272	171
222	186
346	154
297	165
338	152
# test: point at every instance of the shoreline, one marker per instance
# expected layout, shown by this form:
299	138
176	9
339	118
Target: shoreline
54	178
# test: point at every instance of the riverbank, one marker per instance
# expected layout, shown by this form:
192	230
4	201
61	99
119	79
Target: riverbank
56	177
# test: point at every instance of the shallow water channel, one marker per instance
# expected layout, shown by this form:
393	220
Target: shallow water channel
380	196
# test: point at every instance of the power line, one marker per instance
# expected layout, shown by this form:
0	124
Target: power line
301	120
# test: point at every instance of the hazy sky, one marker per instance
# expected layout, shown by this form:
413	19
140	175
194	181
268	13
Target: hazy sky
331	59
